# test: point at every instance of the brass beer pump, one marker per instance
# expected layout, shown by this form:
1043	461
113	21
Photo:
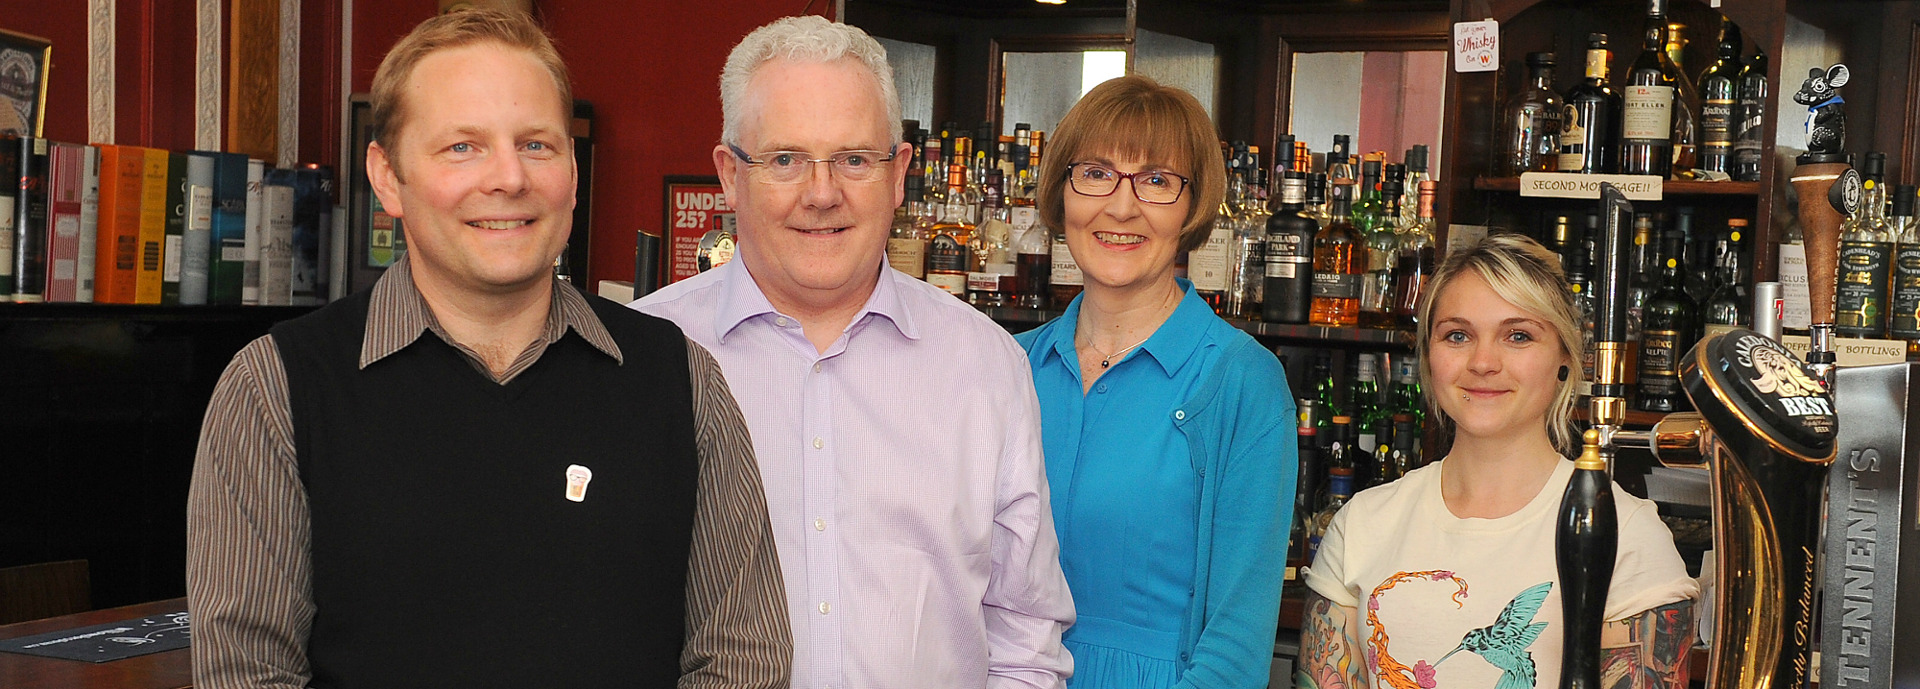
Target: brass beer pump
1765	431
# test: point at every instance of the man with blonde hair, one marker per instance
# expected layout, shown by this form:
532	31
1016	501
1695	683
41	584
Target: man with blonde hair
473	475
896	427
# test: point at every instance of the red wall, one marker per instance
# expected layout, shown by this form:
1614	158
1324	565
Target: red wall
653	76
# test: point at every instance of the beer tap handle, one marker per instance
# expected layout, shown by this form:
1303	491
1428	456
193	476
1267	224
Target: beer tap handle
1586	539
1614	248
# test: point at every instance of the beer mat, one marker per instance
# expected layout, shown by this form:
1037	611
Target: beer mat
103	643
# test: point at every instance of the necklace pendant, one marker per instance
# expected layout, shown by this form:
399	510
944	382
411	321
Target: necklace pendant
1105	362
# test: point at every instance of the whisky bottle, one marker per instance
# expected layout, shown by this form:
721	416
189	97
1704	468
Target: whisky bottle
1728	307
1033	245
1374	221
1413	262
1749	120
1646	122
1341	170
1317	207
1588	131
1339	490
1363	402
1207	264
1904	309
992	279
1530	122
1312	473
907	241
1666	334
1866	257
1686	108
1719	91
1249	289
1324	390
1289	254
1337	252
1415	161
950	246
1579	263
1641	284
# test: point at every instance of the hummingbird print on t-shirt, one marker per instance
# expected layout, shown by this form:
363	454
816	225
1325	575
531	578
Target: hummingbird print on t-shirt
1504	643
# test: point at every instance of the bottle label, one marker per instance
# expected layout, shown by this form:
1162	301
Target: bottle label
1904	312
908	256
1711	329
1065	271
1716	120
1328	285
1659	364
1207	265
955	285
1597	64
1648	113
1284	257
1860	299
983	282
1793	287
1746	124
1023	219
1573	142
945	254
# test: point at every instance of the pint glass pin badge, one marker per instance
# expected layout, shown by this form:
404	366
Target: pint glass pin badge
577	479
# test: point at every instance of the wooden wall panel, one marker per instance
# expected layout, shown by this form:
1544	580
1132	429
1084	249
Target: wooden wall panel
253	78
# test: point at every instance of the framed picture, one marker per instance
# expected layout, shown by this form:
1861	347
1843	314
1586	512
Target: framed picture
699	226
23	82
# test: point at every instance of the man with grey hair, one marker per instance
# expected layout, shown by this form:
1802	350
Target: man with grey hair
896	427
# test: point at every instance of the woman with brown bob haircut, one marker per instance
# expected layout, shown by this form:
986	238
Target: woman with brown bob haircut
1168	432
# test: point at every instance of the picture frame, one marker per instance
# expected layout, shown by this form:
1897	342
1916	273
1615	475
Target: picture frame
697	228
24	62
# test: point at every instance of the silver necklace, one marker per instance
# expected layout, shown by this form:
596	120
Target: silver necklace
1110	357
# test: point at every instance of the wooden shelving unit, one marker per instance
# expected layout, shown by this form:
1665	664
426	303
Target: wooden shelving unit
1023	319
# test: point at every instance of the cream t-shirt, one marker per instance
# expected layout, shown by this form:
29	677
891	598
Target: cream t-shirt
1427	583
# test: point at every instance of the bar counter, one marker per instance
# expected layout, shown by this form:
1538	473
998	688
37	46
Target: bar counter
163	670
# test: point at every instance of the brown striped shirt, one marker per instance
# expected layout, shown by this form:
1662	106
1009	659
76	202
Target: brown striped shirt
249	575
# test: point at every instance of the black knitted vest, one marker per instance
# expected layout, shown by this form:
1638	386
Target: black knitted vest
445	551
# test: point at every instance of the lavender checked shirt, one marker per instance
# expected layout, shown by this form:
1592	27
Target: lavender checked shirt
904	480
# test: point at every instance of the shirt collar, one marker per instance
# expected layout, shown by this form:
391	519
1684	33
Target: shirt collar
741	299
397	315
1183	333
1171	345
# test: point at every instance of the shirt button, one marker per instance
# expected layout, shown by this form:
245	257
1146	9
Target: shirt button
819	524
824	608
818	443
781	321
816	368
1179	414
1101	388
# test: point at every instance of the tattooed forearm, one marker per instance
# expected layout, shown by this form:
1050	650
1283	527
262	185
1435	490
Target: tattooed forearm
1328	659
1649	650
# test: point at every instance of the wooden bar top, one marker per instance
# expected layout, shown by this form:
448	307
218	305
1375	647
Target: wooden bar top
164	670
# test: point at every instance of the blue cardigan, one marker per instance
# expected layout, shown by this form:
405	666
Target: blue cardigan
1240	429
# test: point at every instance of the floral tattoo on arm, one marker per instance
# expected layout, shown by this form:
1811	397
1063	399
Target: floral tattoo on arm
1328	656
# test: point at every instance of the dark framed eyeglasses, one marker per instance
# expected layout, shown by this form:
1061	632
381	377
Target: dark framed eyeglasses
1157	187
793	167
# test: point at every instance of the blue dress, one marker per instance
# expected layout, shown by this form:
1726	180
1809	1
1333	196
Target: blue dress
1127	464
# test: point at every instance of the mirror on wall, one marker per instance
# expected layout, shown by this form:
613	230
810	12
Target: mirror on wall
1181	62
1386	100
1037	87
914	66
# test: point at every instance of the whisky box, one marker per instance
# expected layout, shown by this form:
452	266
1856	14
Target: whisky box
226	265
276	248
89	222
176	224
30	222
66	188
152	231
196	254
255	234
121	178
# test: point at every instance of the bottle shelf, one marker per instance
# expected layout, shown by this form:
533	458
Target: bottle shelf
1672	187
66	311
1279	331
